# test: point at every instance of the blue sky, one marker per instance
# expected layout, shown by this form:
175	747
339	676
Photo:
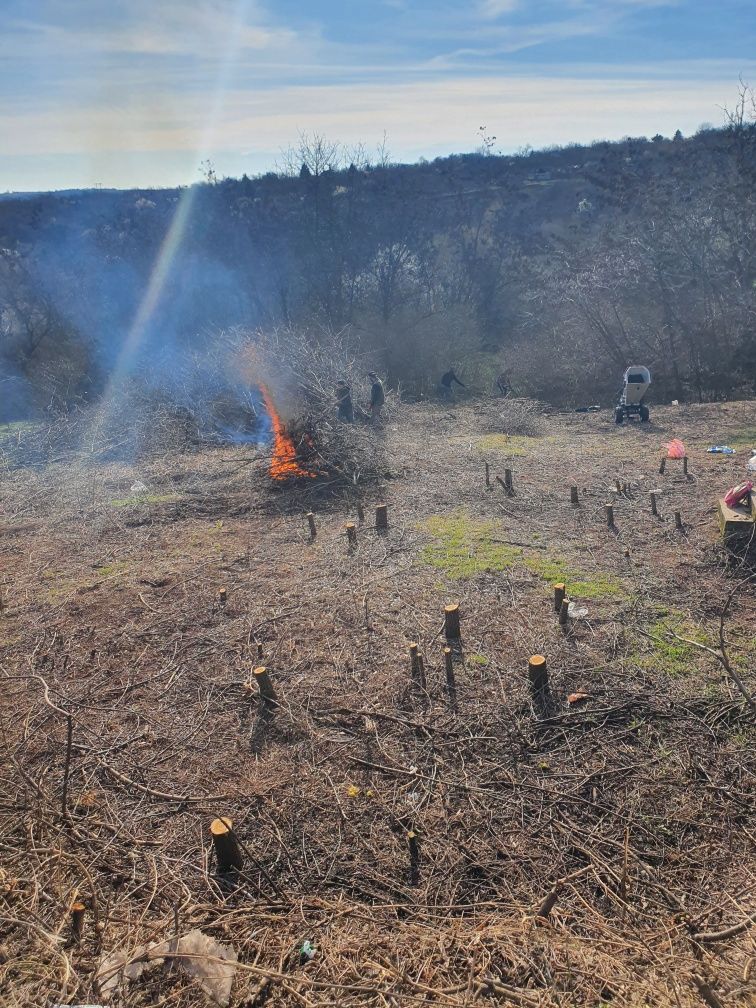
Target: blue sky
140	92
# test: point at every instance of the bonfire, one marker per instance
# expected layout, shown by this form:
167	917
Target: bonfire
283	463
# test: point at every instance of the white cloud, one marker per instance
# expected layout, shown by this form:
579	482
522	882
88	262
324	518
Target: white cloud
432	115
204	28
495	8
600	10
168	82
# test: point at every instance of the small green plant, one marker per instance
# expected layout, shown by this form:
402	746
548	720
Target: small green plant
744	738
474	660
106	570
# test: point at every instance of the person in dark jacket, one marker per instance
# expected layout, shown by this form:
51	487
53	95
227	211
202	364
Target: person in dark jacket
344	402
445	386
377	395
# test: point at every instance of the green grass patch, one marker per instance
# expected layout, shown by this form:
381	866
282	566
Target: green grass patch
743	439
106	570
579	584
476	661
126	502
506	444
744	738
466	546
666	654
18	428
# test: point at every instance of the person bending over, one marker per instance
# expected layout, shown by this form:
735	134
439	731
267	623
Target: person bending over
446	386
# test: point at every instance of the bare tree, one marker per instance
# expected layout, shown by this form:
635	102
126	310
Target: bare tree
312	151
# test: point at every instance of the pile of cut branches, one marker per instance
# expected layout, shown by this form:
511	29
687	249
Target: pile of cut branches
521	416
301	371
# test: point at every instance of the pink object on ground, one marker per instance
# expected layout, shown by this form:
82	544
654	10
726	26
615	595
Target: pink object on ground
676	449
738	494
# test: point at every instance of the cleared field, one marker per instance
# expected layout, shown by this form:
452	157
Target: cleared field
591	845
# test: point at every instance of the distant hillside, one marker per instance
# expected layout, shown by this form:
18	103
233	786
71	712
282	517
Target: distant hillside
559	265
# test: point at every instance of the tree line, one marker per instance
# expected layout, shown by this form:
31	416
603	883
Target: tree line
560	267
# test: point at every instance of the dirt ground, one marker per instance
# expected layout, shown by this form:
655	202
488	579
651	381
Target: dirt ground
591	845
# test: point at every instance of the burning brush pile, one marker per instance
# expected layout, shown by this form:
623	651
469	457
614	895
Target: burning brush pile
273	390
297	375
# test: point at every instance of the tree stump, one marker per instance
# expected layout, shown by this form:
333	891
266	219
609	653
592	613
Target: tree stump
508	481
488	475
609	512
360	514
77	921
564	612
452	629
662	467
421	672
264	684
678	521
538	674
574	499
559	593
654	504
222	597
351	532
381	517
451	683
227	852
415	664
311	522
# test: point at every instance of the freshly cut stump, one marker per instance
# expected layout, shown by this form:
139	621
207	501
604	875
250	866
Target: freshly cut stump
538	674
451	622
226	846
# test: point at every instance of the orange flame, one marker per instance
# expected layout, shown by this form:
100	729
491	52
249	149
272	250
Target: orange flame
283	464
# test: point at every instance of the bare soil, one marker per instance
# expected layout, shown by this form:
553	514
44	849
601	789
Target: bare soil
411	834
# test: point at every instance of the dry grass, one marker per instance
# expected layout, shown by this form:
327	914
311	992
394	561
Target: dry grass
640	797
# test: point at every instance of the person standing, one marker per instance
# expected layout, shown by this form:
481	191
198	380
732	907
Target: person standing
445	386
502	384
344	402
377	395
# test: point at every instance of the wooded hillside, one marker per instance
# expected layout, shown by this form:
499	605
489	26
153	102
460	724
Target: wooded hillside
560	266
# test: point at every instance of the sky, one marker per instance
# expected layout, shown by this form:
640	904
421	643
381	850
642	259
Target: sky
140	93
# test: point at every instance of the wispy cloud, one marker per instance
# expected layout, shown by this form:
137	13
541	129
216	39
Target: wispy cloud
536	8
495	8
418	116
145	27
119	87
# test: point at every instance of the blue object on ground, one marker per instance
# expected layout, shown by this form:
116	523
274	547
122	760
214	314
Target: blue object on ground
721	450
